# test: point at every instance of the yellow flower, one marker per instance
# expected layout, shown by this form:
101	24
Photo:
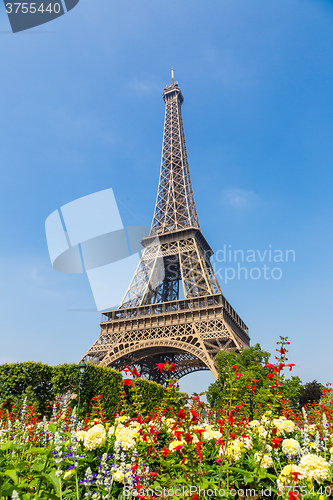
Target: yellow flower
69	473
254	423
265	460
246	442
291	447
121	472
286	478
282	424
234	450
80	436
314	467
95	437
312	429
126	437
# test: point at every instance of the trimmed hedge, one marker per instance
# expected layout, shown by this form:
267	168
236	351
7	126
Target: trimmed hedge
41	383
30	379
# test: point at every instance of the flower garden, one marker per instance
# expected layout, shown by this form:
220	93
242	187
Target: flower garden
181	449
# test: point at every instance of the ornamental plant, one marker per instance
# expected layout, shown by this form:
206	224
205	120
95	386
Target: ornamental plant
179	449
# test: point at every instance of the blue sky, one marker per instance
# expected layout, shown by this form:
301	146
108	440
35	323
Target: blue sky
81	110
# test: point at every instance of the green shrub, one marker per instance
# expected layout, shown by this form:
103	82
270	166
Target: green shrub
40	384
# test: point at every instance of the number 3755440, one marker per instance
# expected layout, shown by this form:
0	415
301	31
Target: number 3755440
32	8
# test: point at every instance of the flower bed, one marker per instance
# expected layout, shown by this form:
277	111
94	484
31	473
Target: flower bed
175	451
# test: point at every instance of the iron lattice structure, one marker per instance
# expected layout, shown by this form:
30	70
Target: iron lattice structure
152	323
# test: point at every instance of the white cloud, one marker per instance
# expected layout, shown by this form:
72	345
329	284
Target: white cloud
239	198
144	86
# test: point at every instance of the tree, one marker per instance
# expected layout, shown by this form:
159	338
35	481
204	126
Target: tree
291	390
251	386
310	393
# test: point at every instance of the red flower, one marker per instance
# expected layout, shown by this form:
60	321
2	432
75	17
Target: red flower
295	476
290	365
198	446
159	366
135	373
275	369
294	496
178	434
195	416
127	381
188	438
178	448
172	367
165	451
182	413
195	497
276	442
199	431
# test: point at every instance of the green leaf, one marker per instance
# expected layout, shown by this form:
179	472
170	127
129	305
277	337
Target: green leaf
7	446
52	427
12	474
38	467
52	478
40	451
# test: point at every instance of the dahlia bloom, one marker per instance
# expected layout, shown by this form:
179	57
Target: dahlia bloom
95	437
314	467
286	478
234	450
121	472
265	460
126	436
282	425
291	447
80	436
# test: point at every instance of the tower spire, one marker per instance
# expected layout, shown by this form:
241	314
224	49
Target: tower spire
175	207
172	76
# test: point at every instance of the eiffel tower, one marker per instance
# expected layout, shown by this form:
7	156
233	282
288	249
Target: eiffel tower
153	324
